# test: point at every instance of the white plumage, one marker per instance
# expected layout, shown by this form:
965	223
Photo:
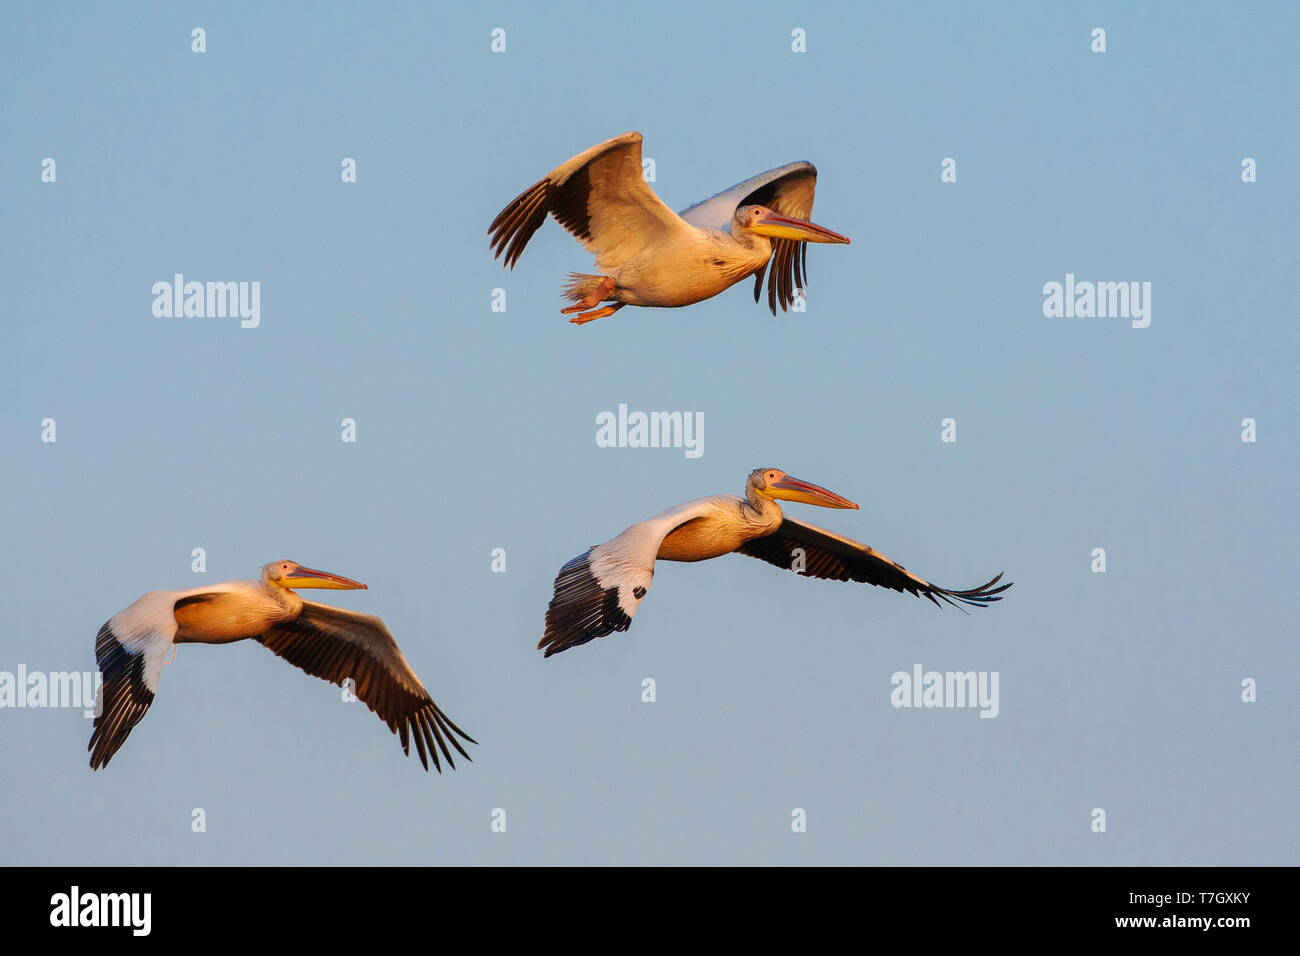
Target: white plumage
651	256
599	592
327	642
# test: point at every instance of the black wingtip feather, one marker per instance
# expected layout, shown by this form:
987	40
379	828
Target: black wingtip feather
515	225
125	698
982	596
789	262
580	610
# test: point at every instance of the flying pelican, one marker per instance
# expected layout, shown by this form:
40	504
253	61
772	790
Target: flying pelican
326	642
650	255
600	590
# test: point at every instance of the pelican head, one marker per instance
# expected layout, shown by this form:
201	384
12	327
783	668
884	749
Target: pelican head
775	483
766	222
291	574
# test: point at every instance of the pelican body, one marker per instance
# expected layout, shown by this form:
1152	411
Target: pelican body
599	591
652	256
326	642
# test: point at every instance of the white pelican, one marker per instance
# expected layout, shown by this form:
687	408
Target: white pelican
326	642
599	591
650	255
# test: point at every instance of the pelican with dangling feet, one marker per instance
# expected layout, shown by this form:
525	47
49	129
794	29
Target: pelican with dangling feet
651	256
326	642
599	591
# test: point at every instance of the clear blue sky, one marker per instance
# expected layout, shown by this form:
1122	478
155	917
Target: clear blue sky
476	429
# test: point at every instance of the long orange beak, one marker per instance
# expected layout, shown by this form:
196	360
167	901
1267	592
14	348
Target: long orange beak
795	489
787	227
311	578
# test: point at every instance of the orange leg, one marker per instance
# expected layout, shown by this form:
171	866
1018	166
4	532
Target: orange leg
597	314
593	298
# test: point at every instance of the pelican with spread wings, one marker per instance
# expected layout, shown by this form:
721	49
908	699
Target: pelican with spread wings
599	591
651	256
326	642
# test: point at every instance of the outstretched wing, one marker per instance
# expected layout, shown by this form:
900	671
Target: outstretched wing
600	197
817	553
130	649
599	591
788	190
335	644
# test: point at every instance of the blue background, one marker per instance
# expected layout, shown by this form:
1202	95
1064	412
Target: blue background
476	429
